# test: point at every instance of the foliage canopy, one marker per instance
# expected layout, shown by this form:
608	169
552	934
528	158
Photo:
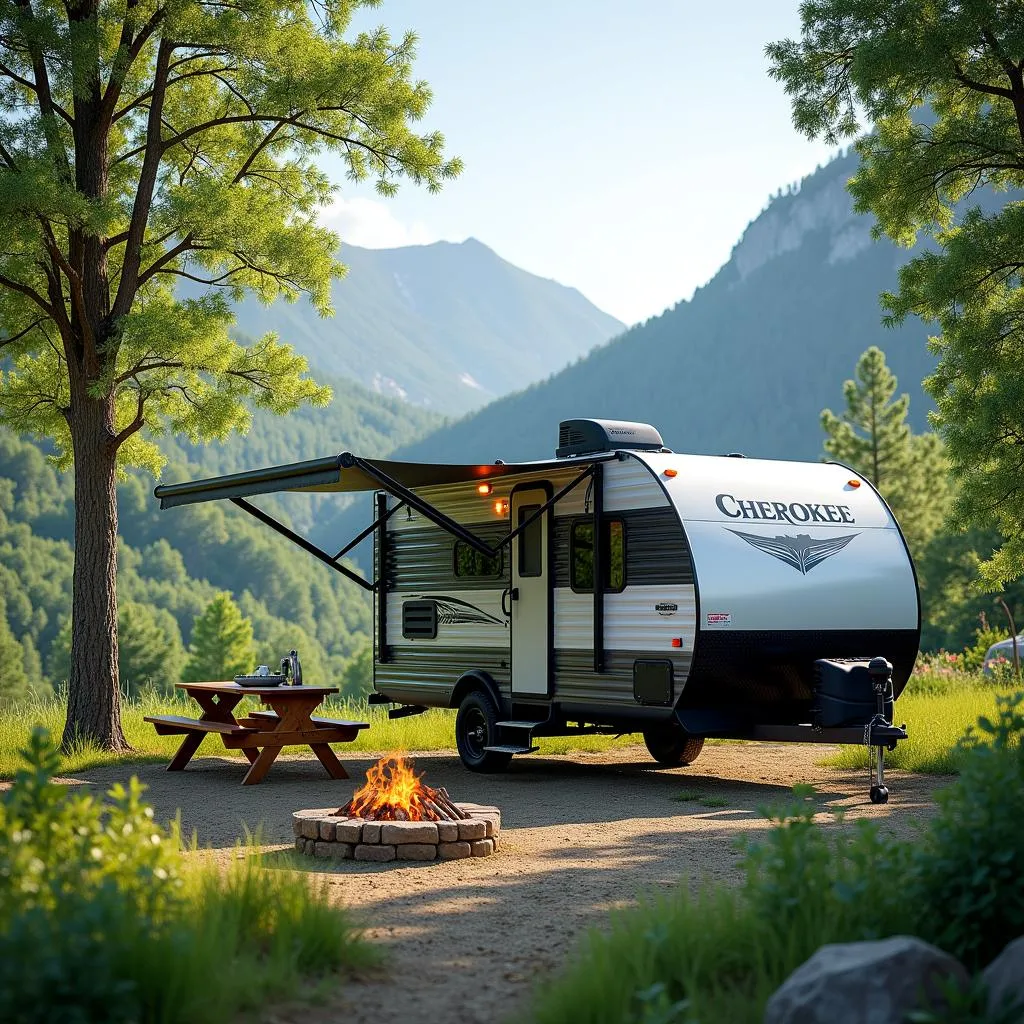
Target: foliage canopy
942	84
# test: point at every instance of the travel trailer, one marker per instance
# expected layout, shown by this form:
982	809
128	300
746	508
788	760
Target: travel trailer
622	587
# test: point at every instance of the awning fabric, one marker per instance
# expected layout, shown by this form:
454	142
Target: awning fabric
342	473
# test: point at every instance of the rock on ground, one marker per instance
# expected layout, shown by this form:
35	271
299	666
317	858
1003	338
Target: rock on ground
865	983
1004	979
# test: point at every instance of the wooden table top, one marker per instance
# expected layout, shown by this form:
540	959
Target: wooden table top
281	690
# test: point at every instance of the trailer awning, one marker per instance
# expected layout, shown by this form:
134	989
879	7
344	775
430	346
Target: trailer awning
341	473
350	473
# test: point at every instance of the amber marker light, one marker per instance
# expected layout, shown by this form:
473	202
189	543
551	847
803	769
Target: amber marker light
484	488
501	507
853	483
671	472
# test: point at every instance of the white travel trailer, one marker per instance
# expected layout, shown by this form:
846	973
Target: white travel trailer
622	587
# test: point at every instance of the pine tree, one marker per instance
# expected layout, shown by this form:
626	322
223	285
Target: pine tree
150	651
221	646
14	684
873	437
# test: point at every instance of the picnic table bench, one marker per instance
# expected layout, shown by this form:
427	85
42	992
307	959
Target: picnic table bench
260	735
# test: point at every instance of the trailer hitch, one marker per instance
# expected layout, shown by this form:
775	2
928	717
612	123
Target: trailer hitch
878	733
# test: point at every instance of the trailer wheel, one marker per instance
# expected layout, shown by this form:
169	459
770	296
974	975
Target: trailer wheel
476	727
673	746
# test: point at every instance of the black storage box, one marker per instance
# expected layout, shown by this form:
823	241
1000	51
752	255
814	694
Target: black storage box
844	695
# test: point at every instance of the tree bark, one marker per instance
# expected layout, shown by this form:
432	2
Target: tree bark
94	704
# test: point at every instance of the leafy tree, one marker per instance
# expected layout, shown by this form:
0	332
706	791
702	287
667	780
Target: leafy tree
221	646
952	605
873	437
145	141
357	678
150	651
883	60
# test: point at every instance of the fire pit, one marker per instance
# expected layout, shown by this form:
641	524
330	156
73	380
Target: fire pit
394	816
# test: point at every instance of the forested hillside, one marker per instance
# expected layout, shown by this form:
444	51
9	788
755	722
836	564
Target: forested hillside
173	563
748	363
449	327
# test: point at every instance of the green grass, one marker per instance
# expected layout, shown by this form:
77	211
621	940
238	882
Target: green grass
936	718
104	917
936	709
432	730
704	799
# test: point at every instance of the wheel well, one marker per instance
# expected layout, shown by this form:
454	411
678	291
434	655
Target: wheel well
476	680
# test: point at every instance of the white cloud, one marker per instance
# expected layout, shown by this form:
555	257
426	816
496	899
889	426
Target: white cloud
371	224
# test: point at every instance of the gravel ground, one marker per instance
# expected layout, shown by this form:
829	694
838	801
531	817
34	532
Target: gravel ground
465	941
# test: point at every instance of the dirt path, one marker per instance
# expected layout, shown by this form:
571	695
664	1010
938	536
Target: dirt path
466	940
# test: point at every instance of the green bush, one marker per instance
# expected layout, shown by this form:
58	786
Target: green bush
103	918
964	879
719	953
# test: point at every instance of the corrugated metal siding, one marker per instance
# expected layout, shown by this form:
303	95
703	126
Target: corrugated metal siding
631	619
459	618
656	548
576	681
427	674
424	558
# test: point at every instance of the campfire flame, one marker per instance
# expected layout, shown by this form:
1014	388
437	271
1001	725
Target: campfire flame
393	792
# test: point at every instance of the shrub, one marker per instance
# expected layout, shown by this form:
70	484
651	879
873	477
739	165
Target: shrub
718	954
103	918
963	881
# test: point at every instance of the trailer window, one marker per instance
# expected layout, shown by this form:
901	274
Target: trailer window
581	555
473	564
531	540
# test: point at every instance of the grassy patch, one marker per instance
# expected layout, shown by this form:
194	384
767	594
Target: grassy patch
432	730
935	721
718	954
704	799
103	917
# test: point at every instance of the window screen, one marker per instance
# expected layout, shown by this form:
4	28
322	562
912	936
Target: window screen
581	555
475	564
531	540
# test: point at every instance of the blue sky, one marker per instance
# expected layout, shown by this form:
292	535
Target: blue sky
617	147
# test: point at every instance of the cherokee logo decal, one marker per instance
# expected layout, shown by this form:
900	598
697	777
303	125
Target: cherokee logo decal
802	552
451	611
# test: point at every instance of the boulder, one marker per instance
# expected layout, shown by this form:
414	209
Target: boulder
1004	980
865	983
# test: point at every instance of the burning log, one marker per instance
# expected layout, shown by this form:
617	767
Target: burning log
392	792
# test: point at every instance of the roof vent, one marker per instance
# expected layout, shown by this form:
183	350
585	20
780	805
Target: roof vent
587	437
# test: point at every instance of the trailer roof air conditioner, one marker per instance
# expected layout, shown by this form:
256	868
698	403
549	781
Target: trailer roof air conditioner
586	437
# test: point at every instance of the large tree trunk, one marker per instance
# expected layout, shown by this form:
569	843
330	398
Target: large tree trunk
94	706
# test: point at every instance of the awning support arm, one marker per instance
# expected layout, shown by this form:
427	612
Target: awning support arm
448	524
588	472
366	533
306	545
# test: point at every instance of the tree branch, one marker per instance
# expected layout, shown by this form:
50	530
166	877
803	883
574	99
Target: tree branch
21	334
136	423
128	284
24	289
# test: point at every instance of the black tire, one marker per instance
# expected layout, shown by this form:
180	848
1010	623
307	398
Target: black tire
476	727
673	746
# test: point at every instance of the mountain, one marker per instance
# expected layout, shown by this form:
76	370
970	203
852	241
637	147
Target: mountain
445	326
748	363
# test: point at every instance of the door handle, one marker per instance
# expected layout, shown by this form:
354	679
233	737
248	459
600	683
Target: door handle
512	593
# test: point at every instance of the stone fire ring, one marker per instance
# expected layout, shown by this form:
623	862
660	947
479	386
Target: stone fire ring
322	833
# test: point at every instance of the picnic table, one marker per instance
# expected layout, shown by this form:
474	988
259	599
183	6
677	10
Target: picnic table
260	735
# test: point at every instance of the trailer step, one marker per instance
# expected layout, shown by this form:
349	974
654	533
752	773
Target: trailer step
531	725
509	748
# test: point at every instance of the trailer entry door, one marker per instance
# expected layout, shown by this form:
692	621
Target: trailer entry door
531	607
